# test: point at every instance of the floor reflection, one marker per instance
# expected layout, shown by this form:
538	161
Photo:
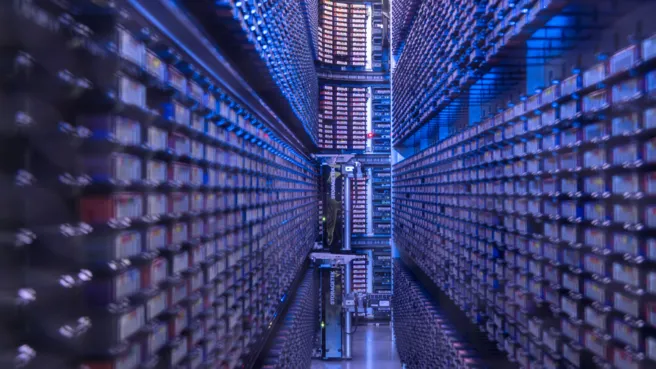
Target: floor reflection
373	348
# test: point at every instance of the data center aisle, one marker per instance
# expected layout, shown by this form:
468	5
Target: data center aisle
373	348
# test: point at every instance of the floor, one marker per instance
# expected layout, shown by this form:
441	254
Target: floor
373	348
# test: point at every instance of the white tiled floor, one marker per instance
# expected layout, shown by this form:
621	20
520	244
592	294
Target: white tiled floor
373	348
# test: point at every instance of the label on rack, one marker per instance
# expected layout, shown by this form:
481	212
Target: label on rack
157	139
180	173
534	123
626	90
210	101
569	136
625	213
127	206
625	333
196	283
595	318
650	155
155	238
179	233
594	264
127	244
179	202
549	94
158	271
131	360
180	323
198	122
127	283
130	48
177	80
649	48
623	360
594	158
624	124
551	274
179	293
623	60
197	307
549	185
571	282
594	131
572	258
650	82
650	216
209	247
595	211
535	247
594	75
649	119
156	204
127	131
157	339
131	322
625	154
210	153
195	91
595	237
595	344
132	92
594	184
551	252
627	183
549	362
196	175
569	85
570	354
197	227
626	243
210	203
177	354
626	304
550	163
595	101
568	233
570	330
594	291
651	248
626	274
181	144
155	66
568	209
181	114
197	201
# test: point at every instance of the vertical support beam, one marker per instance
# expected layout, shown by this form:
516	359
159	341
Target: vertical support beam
348	273
347	212
370	201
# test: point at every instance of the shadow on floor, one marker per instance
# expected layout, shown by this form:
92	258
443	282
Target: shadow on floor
373	348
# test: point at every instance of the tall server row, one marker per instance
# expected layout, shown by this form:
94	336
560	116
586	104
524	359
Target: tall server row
155	212
530	204
355	119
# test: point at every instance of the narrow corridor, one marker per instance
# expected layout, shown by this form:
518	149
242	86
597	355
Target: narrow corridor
373	348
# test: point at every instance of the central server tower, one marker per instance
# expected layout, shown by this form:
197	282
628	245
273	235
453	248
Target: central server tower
353	131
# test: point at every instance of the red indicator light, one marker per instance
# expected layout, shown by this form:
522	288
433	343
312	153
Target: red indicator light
370	135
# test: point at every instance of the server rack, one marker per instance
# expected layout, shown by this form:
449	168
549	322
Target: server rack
535	221
160	212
